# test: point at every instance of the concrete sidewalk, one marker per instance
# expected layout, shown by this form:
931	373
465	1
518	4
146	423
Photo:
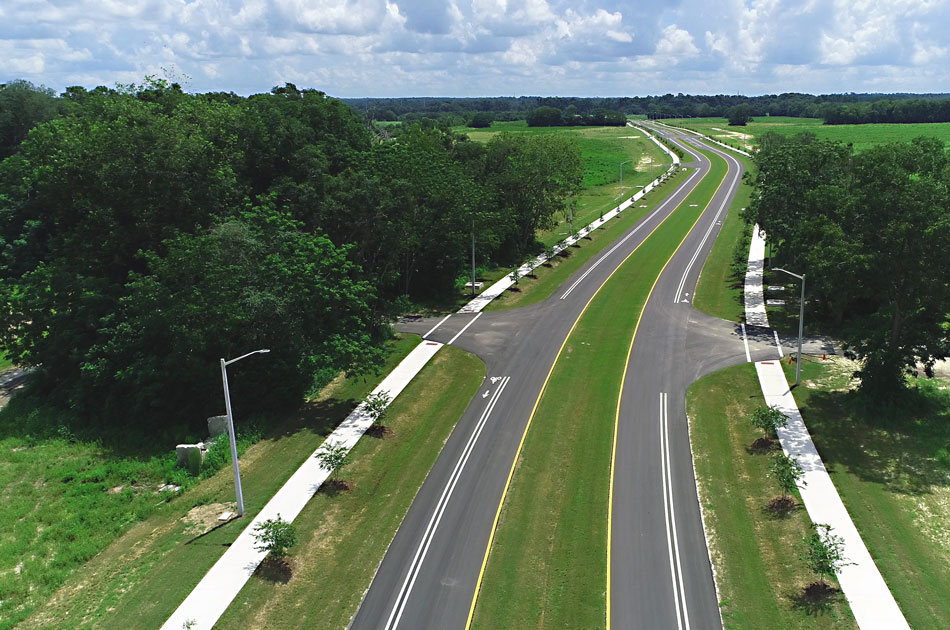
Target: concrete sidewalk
221	584
871	601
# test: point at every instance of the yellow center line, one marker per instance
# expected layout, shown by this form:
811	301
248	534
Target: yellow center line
623	380
514	464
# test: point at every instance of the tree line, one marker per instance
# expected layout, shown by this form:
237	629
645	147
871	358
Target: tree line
871	232
461	111
916	110
146	232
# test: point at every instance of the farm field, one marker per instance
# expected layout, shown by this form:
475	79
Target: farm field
861	136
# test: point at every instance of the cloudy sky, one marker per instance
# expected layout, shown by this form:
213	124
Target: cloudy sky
483	47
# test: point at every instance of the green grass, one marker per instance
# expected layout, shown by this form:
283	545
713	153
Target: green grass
719	291
755	554
343	536
549	277
861	136
140	570
891	465
547	566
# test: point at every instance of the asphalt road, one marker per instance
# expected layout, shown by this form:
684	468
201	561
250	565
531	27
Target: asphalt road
428	575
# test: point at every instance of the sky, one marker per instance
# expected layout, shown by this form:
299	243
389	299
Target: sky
483	47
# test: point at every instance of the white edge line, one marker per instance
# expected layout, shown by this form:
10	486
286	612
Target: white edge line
778	345
442	321
423	549
666	514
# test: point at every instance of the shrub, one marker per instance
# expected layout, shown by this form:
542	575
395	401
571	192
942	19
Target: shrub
275	536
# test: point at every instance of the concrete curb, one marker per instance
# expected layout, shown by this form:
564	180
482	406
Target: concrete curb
871	601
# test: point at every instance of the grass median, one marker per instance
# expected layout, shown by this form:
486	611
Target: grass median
547	563
719	291
140	578
549	277
754	552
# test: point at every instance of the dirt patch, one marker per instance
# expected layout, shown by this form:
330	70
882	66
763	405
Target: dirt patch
203	518
333	487
379	431
275	570
781	507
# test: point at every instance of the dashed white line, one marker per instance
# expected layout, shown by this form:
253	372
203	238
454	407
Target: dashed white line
622	241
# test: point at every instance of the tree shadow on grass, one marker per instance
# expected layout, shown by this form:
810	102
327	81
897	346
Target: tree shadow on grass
816	599
780	508
892	444
275	570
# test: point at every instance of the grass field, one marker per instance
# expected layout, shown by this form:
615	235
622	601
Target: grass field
755	554
719	290
891	466
343	536
547	566
861	136
139	579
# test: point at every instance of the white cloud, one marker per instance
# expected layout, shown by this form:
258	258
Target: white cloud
472	47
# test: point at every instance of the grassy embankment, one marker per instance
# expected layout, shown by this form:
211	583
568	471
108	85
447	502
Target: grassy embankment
139	579
861	136
547	564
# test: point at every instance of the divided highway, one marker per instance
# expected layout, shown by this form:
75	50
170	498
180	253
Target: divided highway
660	575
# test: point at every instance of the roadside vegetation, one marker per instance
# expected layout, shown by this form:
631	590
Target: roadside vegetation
537	576
891	465
71	503
754	543
861	137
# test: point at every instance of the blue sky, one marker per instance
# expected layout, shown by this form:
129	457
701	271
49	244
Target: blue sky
483	47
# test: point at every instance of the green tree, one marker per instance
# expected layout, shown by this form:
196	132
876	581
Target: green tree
768	419
275	536
739	115
481	120
823	552
532	177
545	117
377	405
333	457
22	106
787	472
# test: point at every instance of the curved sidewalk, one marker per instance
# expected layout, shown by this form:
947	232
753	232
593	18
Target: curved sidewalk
871	601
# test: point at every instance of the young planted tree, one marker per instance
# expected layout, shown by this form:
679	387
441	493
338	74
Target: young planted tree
333	457
275	536
768	419
823	552
787	472
376	405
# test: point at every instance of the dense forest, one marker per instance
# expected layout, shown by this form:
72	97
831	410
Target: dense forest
871	232
146	232
460	111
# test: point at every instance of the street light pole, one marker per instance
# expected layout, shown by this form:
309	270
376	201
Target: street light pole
801	321
473	254
227	407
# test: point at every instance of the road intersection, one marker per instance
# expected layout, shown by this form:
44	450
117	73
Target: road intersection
659	569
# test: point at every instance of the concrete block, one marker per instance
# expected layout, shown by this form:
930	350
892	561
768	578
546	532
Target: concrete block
217	425
190	457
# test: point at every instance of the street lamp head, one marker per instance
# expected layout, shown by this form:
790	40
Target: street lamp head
264	350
